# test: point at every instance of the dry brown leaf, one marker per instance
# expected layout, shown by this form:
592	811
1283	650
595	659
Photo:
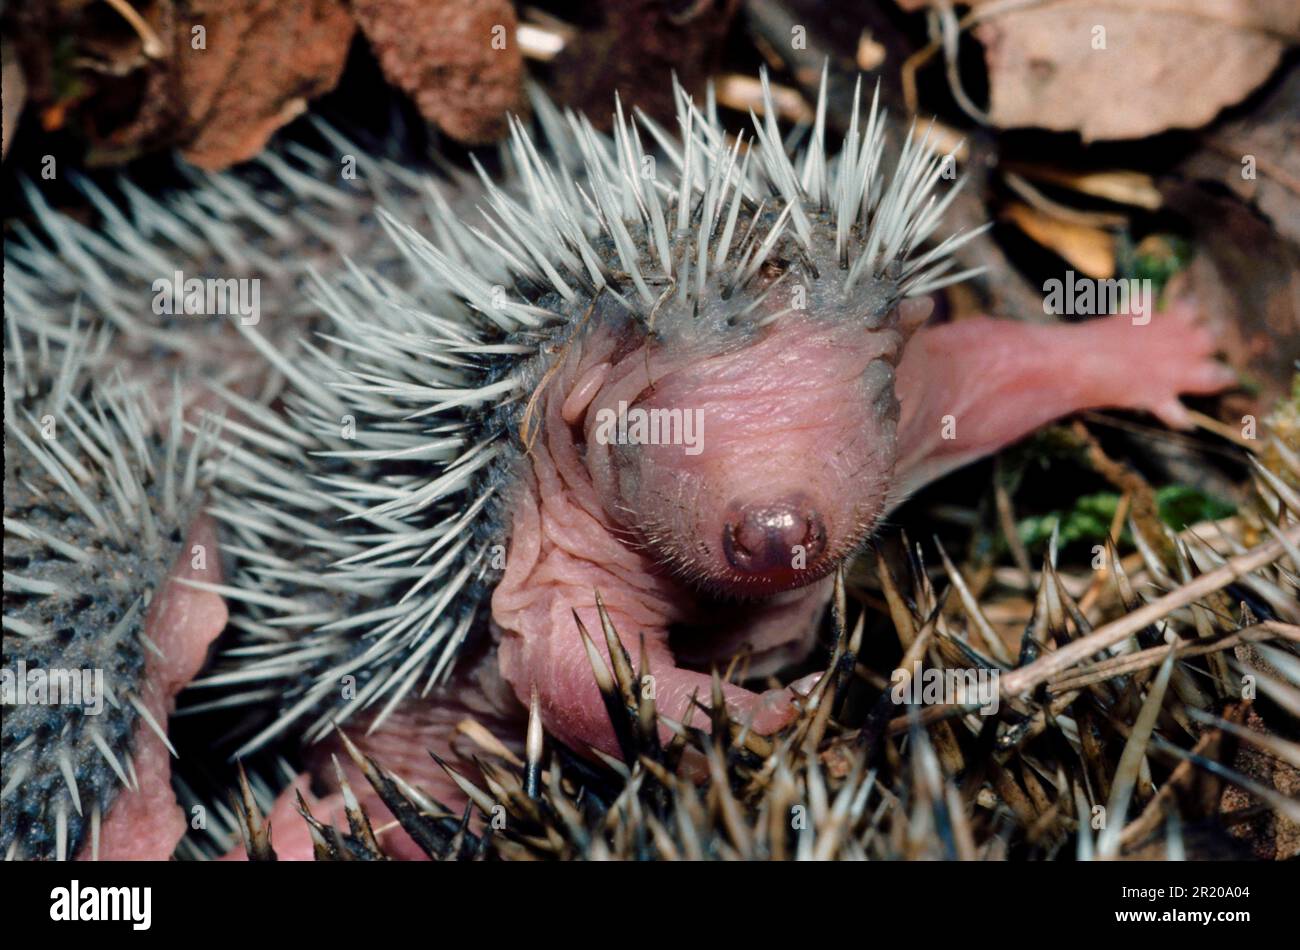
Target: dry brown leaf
1162	63
1089	250
217	78
1119	185
214	77
263	60
744	92
458	59
14	93
870	54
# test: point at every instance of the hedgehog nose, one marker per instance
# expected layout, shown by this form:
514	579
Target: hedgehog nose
782	536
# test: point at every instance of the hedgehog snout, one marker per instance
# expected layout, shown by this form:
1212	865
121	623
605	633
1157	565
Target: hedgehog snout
771	537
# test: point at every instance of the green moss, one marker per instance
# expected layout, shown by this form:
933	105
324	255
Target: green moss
68	85
1157	258
1181	506
1090	517
1088	520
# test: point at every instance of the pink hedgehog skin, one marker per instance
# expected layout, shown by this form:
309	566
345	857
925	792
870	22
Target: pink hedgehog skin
810	437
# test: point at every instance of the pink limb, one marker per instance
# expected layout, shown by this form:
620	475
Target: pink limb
970	388
146	822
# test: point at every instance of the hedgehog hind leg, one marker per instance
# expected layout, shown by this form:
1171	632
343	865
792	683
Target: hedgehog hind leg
970	388
451	724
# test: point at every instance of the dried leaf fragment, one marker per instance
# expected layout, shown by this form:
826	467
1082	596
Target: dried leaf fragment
1129	68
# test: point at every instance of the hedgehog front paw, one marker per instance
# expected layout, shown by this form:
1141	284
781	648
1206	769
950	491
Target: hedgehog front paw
776	709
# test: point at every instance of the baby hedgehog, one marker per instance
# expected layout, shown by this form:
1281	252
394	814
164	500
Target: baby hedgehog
684	385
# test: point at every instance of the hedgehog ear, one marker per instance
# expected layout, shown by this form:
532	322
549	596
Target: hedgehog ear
912	314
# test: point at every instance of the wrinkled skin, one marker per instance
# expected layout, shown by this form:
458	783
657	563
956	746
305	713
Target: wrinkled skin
812	432
810	435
